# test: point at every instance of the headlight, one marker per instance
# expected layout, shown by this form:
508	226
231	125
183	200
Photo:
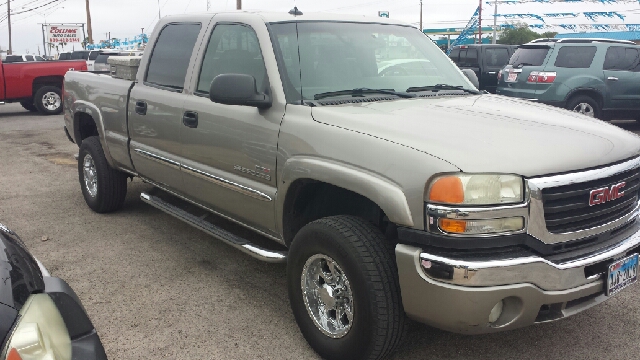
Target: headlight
41	333
476	189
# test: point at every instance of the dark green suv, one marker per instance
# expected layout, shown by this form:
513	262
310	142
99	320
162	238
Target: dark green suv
596	77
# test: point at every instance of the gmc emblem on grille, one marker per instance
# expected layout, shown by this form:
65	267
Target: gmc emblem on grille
602	195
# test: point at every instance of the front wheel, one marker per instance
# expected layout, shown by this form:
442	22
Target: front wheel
48	100
344	290
104	188
585	105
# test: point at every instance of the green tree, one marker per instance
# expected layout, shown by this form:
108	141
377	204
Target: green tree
518	36
548	34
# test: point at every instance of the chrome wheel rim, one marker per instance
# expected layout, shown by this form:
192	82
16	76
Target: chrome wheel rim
327	296
90	175
585	109
51	101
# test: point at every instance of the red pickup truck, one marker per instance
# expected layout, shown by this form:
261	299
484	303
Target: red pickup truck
36	85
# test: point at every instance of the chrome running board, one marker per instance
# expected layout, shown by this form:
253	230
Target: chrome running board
244	245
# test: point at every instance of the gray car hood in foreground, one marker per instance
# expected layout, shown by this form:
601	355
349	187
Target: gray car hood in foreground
489	133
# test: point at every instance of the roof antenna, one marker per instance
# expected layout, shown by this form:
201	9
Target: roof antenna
295	11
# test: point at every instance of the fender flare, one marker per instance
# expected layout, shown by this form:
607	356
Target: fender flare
382	191
81	106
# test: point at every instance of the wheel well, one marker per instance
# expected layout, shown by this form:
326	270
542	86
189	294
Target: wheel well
591	93
308	200
84	126
47	81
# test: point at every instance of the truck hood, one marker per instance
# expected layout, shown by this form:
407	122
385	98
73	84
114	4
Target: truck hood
489	133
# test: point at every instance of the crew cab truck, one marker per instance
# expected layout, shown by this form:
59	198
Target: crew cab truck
387	195
37	86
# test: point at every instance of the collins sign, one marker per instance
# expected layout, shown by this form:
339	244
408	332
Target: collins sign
64	34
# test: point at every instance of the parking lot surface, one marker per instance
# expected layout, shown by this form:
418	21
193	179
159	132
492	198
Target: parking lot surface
157	288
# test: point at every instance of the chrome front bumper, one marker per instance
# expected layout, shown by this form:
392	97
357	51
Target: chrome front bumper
533	289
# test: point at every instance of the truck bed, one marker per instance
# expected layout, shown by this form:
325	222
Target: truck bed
106	97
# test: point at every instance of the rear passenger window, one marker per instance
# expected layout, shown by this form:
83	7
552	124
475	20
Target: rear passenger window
171	54
29	58
496	56
576	57
455	53
232	49
472	57
622	58
529	56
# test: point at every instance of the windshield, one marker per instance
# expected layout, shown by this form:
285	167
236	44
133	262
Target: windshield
336	56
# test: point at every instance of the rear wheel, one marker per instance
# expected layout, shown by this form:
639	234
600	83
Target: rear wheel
344	289
28	105
104	188
585	105
48	100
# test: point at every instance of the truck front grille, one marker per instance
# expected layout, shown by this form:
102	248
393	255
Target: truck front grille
566	208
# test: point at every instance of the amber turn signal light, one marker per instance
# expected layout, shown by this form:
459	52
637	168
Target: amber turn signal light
447	190
453	226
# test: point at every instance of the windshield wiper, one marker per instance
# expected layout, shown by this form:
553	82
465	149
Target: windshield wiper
439	87
362	92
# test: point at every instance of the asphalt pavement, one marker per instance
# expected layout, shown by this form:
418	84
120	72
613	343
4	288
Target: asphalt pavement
156	288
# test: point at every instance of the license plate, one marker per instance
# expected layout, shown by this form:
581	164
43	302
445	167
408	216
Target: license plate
621	274
512	77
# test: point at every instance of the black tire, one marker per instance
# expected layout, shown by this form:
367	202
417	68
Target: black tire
49	105
585	101
28	105
111	184
368	262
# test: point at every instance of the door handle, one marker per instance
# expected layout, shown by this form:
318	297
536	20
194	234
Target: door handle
190	119
612	78
141	107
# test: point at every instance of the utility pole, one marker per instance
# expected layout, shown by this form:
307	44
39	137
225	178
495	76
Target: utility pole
421	29
9	23
480	22
89	29
495	22
239	4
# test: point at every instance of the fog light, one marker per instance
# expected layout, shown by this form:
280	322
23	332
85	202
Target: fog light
496	312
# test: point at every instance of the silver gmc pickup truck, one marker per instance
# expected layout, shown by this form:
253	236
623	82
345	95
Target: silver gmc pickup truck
355	151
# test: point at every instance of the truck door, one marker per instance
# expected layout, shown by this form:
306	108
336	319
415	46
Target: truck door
155	106
494	59
622	77
230	151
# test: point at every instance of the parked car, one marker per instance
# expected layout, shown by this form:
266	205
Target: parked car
596	77
64	56
80	55
22	58
42	317
485	60
386	196
100	64
36	85
93	55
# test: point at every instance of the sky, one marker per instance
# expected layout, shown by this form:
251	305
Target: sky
126	18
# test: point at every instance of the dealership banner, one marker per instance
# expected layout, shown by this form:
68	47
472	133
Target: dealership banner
64	34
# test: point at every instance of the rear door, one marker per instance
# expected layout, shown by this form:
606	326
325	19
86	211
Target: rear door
494	58
526	59
155	105
622	77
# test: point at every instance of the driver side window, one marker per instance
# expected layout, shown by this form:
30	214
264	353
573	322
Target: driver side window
232	49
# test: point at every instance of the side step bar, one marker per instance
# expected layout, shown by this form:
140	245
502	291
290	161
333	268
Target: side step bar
271	256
